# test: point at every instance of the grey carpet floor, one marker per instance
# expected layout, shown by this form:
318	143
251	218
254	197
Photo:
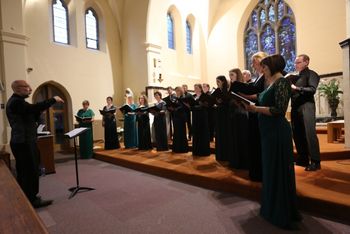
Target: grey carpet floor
127	201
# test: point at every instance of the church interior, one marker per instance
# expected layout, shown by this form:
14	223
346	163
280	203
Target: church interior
93	49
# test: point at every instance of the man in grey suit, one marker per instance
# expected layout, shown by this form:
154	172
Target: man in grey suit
303	115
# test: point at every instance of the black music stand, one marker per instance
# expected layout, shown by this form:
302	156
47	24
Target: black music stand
73	135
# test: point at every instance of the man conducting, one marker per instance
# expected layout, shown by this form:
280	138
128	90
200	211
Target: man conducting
23	118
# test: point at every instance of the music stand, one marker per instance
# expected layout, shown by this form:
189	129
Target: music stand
73	135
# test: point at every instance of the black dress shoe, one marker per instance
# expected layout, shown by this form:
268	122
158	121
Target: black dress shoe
314	166
38	202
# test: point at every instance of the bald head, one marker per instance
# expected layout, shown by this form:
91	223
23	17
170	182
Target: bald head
21	88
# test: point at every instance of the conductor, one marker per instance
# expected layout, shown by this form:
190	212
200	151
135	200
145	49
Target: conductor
23	118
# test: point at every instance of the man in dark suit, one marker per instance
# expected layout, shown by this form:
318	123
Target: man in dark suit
303	115
23	118
188	112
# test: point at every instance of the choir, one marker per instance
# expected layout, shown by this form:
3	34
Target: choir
245	116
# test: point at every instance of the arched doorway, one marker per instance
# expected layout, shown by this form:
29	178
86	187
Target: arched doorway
58	118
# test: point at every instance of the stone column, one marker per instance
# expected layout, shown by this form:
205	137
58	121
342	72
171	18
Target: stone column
13	64
345	45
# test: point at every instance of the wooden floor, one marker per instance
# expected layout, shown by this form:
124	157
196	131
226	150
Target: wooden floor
325	192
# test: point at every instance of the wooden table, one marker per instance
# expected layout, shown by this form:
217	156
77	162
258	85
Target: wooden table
16	213
334	130
45	145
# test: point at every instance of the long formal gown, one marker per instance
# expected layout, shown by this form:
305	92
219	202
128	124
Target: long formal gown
130	129
159	124
200	128
144	130
180	117
223	136
278	204
240	136
86	139
254	150
110	125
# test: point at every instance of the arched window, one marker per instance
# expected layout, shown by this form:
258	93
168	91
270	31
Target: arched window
60	21
271	28
91	29
171	34
188	38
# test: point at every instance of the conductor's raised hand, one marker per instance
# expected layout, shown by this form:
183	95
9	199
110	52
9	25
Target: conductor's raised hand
58	99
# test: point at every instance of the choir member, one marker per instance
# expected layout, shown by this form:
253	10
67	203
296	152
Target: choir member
130	130
251	92
239	127
211	112
278	204
159	123
169	121
188	112
180	117
85	119
110	125
247	76
143	127
223	136
200	124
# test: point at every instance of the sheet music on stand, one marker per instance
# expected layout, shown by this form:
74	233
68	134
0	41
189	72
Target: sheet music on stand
75	132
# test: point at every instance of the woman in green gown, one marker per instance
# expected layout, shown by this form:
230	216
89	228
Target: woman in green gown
85	119
278	204
130	128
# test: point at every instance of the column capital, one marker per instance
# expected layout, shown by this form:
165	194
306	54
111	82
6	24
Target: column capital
13	38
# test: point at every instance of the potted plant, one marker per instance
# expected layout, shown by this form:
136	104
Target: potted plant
330	90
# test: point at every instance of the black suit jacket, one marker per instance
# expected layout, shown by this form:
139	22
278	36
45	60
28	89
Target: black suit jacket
23	118
307	82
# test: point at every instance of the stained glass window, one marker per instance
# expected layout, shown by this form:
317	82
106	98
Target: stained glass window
271	28
188	38
268	40
60	21
171	36
91	29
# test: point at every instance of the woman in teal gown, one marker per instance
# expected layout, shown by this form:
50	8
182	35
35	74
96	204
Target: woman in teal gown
278	204
86	117
130	129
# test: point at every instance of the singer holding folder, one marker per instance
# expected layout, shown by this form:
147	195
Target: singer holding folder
109	122
85	117
278	204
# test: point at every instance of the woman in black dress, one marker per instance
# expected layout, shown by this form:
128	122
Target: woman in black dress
179	113
143	127
251	91
239	127
223	136
200	123
110	124
159	123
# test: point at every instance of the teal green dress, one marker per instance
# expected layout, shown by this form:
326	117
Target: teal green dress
278	204
130	129
86	143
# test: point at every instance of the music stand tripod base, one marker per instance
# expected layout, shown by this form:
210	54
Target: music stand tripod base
75	190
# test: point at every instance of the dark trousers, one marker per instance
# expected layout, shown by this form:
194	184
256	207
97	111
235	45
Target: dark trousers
304	132
189	124
27	167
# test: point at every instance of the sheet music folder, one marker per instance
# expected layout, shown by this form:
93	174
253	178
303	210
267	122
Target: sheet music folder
75	132
242	99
